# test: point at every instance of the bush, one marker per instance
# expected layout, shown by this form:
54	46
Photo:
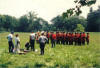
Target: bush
79	28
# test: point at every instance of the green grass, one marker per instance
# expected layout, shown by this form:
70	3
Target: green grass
62	56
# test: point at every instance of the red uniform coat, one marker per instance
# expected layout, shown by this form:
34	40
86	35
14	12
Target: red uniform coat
54	36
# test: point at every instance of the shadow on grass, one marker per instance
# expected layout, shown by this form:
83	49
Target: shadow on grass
48	59
39	65
43	65
61	66
5	65
95	65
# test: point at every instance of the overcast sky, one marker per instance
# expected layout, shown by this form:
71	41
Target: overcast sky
47	9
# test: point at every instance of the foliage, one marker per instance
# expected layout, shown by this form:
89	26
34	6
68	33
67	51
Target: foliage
93	19
58	23
26	23
77	9
68	24
79	28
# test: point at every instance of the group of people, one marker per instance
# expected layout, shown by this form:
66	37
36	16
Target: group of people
68	38
31	44
12	48
42	38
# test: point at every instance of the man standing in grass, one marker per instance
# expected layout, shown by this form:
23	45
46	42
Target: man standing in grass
48	36
17	44
75	38
57	34
67	35
64	38
87	39
10	42
53	39
83	38
32	41
42	40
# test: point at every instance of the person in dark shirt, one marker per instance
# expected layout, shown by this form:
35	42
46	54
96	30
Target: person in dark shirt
87	38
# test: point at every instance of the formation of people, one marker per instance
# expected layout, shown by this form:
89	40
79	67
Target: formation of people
69	38
61	38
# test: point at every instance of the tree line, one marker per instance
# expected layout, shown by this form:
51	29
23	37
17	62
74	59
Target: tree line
26	23
67	21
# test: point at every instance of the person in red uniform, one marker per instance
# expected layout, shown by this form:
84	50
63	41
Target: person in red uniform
53	40
57	37
61	37
87	39
67	34
75	38
72	38
78	38
64	38
51	36
69	38
83	38
48	36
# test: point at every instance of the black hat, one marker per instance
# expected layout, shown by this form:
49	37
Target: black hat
12	32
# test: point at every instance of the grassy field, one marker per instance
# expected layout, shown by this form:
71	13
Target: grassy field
62	56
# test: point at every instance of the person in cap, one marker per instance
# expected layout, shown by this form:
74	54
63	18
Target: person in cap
64	38
69	38
83	38
32	41
60	37
53	39
57	37
48	36
42	41
72	38
87	38
10	42
80	39
67	35
75	38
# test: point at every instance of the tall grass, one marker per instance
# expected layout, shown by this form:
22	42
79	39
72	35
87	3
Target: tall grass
62	56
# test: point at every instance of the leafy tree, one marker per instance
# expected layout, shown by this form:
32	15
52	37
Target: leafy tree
73	21
31	19
79	28
15	24
23	24
77	9
68	24
58	22
93	19
8	23
45	25
2	21
37	25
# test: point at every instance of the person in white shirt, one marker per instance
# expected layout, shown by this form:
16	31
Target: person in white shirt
10	42
42	40
17	44
32	41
